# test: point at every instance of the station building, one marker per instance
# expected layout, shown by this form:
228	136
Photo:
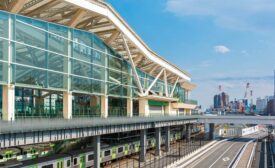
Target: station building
69	59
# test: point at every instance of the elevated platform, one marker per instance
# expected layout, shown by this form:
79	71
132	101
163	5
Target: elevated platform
31	131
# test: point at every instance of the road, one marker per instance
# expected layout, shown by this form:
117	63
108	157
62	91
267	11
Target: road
222	155
219	156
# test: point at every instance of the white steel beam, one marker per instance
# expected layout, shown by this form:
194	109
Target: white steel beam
165	83
172	92
133	66
155	80
111	14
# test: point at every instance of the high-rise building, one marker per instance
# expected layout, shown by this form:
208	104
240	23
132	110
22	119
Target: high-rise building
221	101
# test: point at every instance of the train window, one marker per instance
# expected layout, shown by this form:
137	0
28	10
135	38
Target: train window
132	146
107	153
68	163
90	157
75	161
1	157
120	149
48	166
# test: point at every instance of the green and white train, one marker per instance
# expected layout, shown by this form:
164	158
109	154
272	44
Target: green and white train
84	158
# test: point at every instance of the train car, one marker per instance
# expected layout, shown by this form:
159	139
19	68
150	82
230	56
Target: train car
9	154
54	161
82	158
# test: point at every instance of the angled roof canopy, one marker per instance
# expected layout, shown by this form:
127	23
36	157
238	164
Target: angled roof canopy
100	18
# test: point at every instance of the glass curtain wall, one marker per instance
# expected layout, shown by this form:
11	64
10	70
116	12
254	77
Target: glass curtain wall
117	107
1	102
50	56
86	105
35	103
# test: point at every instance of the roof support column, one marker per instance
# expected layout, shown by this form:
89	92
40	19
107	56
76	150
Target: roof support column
8	102
158	141
67	105
142	154
133	65
167	139
211	131
104	106
143	107
129	107
96	145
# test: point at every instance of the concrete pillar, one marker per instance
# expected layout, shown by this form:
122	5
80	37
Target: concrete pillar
167	110
8	100
142	154
211	131
158	141
67	105
96	145
167	139
143	107
188	132
129	107
104	106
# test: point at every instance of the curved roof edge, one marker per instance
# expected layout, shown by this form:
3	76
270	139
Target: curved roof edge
107	10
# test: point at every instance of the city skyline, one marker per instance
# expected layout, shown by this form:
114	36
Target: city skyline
215	45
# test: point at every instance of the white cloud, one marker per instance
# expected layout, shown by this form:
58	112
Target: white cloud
241	14
221	49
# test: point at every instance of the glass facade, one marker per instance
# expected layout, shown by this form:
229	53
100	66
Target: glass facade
48	56
86	105
34	103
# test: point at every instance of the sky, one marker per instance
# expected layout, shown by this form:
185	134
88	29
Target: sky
219	42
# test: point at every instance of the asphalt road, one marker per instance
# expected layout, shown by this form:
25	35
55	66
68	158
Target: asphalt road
219	156
223	154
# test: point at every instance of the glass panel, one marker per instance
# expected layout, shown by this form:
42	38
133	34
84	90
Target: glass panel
4	22
30	56
31	103
99	44
82	52
114	89
81	84
59	30
1	101
117	107
82	68
126	79
99	58
86	105
98	86
98	72
115	77
56	80
3	49
114	63
83	37
58	44
1	72
57	62
30	35
30	76
125	90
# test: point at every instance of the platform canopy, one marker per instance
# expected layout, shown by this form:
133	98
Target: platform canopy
100	18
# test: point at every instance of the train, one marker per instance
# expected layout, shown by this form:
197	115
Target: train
84	158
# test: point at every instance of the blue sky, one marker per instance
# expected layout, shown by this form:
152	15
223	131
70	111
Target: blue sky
219	42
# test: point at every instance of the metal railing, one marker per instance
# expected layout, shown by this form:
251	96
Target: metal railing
60	123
